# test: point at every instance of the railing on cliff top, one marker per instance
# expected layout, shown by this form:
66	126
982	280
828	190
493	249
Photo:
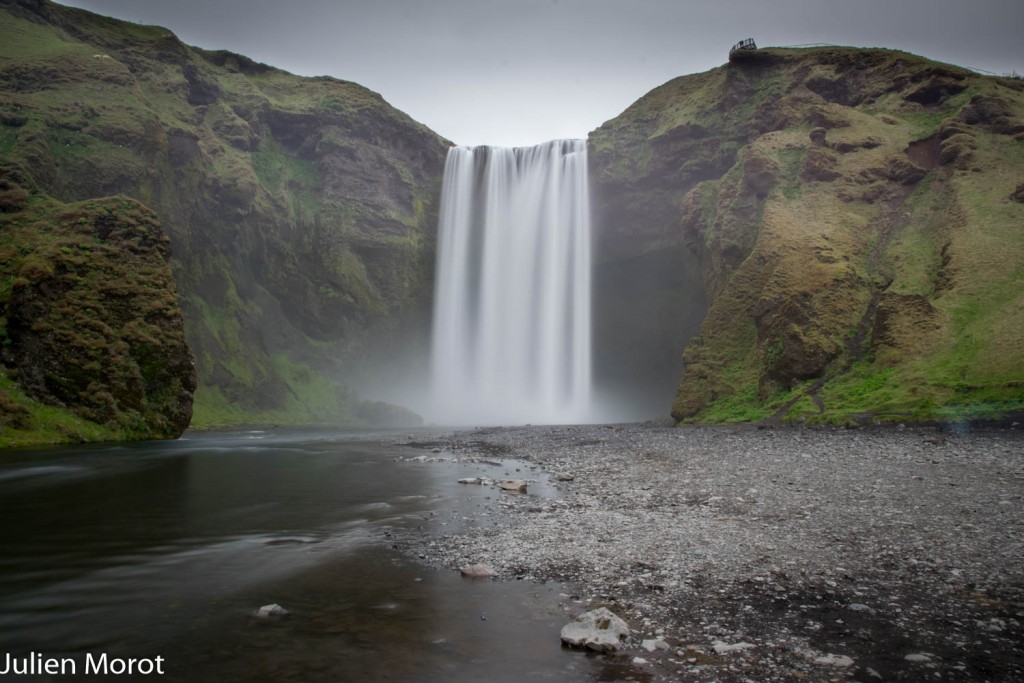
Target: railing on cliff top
746	44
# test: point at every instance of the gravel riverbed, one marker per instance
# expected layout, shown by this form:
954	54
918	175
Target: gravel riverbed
882	553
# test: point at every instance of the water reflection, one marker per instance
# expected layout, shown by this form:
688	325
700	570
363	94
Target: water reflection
165	548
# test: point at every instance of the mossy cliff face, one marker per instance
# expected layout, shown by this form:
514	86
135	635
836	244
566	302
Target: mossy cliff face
301	211
93	342
856	220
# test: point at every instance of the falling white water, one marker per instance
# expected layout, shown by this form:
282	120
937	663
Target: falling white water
511	338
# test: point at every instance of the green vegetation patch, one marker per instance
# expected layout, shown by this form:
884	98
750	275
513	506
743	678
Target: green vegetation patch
27	422
91	319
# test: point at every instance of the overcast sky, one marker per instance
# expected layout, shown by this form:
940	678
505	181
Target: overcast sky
519	72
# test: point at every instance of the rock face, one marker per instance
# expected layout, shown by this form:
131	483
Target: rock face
301	211
850	223
600	630
91	318
383	414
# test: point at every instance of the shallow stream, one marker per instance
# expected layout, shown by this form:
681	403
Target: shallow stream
165	549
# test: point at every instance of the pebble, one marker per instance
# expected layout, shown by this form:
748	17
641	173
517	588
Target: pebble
786	541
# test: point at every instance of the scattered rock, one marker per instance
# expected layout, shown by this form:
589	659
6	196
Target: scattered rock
723	648
654	644
840	661
814	536
269	612
477	571
566	476
512	485
600	630
919	657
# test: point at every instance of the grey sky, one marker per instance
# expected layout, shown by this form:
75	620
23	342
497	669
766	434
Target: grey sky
519	72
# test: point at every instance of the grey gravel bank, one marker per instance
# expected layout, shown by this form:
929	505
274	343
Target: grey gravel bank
788	554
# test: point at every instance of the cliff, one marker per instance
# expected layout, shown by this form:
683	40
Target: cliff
856	220
93	342
833	234
301	211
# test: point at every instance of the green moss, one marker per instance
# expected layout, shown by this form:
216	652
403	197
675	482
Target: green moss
44	424
294	179
950	246
791	162
738	407
312	399
92	318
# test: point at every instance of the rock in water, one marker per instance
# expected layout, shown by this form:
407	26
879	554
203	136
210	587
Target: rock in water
477	571
268	612
513	485
600	630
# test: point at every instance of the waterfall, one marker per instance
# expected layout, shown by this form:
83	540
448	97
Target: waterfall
511	338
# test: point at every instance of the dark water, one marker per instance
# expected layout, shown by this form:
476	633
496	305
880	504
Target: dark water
164	549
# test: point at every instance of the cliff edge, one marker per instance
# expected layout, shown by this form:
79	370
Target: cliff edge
857	220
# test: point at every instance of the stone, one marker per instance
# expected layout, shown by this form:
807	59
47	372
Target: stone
513	485
654	644
268	612
566	476
919	657
477	571
600	630
840	661
471	480
721	647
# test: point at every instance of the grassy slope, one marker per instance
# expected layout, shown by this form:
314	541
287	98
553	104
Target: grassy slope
847	279
300	210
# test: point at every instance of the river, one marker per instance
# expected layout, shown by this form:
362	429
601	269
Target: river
164	549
